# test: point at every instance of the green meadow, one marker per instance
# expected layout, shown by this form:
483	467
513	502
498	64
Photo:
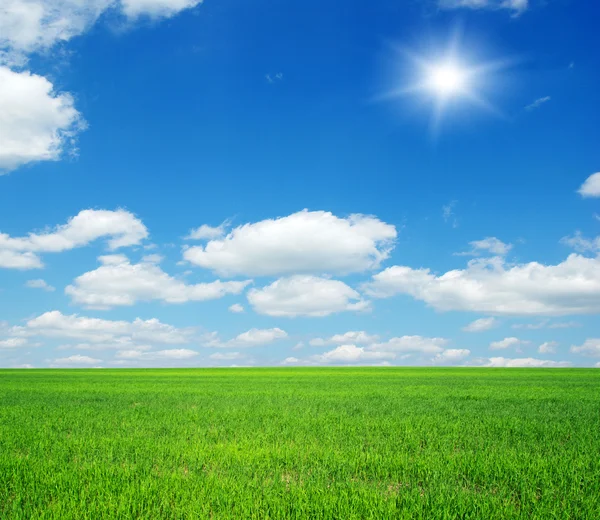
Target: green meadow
344	443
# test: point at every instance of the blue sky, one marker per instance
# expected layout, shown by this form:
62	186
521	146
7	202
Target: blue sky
213	183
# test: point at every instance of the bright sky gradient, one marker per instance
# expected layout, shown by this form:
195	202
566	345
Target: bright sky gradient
219	183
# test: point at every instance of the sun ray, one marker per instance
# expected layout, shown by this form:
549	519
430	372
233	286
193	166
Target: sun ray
447	79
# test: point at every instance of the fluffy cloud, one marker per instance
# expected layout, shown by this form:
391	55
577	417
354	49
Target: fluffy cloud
118	282
351	337
352	354
99	334
525	362
236	308
290	361
121	228
481	325
591	347
77	359
35	25
487	245
494	287
170	354
39	284
451	355
417	348
507	343
250	338
206	232
582	244
227	356
156	8
396	348
36	122
515	6
549	347
411	345
591	186
304	295
13	343
304	242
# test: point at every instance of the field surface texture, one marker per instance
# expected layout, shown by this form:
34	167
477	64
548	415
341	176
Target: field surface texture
300	443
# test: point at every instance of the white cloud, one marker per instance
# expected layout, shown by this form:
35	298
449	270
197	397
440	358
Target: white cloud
250	338
36	122
236	308
13	343
538	103
531	326
507	343
411	345
488	245
350	337
153	259
28	26
124	343
549	347
170	354
35	25
547	324
156	8
591	347
481	324
451	355
515	6
398	348
591	186
206	232
99	334
304	242
491	286
582	244
120	227
39	284
351	354
118	282
304	295
290	361
564	325
77	359
525	362
227	356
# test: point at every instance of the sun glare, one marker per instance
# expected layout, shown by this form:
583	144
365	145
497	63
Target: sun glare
447	79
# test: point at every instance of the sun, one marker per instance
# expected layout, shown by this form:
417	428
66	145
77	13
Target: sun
447	79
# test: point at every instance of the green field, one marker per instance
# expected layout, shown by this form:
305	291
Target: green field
300	443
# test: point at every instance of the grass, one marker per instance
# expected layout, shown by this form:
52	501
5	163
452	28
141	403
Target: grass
300	443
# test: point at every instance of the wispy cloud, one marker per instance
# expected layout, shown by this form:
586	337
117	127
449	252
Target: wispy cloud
516	7
448	213
274	78
538	103
39	284
488	245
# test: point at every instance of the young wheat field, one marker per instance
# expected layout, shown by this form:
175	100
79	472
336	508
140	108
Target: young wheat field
264	443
